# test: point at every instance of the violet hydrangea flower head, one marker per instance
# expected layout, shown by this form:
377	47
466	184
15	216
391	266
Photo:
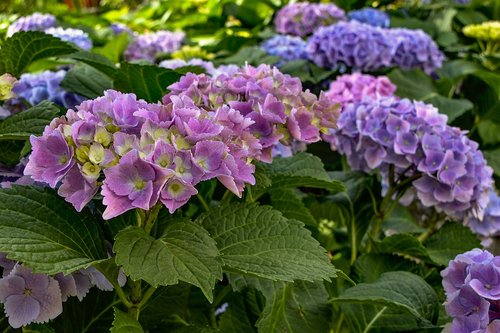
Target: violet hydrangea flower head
414	49
151	45
353	88
288	48
452	173
302	18
29	298
371	16
119	28
472	285
490	224
36	21
45	86
276	105
352	44
176	63
73	36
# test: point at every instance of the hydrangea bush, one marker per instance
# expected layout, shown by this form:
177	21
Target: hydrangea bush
145	189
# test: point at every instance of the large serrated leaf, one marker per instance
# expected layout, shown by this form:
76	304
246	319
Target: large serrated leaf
86	81
402	291
291	206
299	307
32	121
451	240
148	82
402	244
185	252
38	228
124	323
25	47
96	61
258	241
300	170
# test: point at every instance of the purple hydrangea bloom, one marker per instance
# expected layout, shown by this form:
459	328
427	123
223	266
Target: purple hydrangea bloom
45	86
73	36
353	88
352	44
35	21
302	19
472	284
119	28
176	63
29	298
151	45
286	47
371	16
490	224
414	49
414	138
367	48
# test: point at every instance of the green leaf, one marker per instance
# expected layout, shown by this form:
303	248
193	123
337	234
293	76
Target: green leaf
451	240
86	81
402	244
489	132
166	306
401	221
300	170
490	78
417	85
299	307
32	121
258	241
252	55
236	318
291	206
305	71
185	252
370	266
493	158
398	290
25	47
148	82
114	48
38	228
124	323
11	151
96	61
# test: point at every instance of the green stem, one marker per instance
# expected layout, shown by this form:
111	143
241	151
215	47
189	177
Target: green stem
147	295
135	298
151	217
339	323
226	197
374	319
249	198
220	296
203	202
99	315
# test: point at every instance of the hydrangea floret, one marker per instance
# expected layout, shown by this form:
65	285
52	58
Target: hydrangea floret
371	16
150	46
36	21
286	47
74	36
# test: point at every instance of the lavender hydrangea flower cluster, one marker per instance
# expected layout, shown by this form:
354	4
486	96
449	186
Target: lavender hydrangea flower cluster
367	48
302	18
119	28
451	173
490	224
149	46
286	47
278	108
353	88
37	298
472	285
371	16
74	36
36	21
176	63
45	86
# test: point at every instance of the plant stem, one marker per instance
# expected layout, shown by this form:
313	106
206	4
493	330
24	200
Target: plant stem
226	197
135	298
147	295
203	202
151	217
99	315
339	323
374	319
220	296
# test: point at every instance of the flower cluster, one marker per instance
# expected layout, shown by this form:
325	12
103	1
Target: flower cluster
36	21
7	82
487	31
74	36
490	225
371	16
176	63
278	108
37	298
45	86
367	48
151	45
301	19
472	285
412	137
286	47
353	88
119	28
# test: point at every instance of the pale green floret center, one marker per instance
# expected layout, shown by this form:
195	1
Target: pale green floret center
139	184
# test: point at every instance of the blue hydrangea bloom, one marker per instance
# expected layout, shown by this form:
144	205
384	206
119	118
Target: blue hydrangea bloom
286	47
75	36
36	21
371	16
46	86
